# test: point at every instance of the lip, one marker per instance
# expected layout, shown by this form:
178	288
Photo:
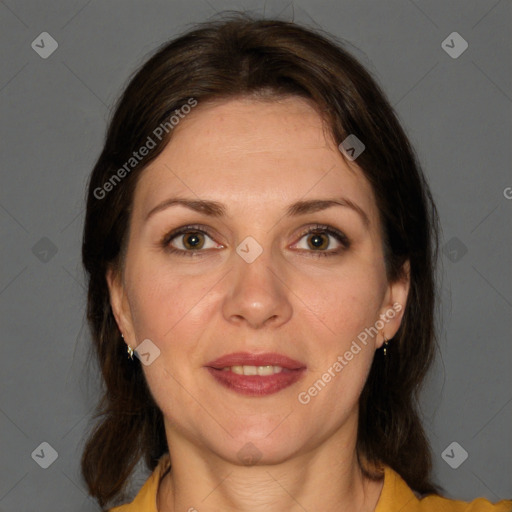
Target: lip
256	385
250	359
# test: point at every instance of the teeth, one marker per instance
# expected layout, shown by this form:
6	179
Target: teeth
254	370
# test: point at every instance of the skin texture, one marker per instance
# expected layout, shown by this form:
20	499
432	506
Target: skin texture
256	157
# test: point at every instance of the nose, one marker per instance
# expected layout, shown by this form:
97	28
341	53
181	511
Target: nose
256	293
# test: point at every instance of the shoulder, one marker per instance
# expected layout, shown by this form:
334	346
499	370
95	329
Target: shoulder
433	503
145	501
397	494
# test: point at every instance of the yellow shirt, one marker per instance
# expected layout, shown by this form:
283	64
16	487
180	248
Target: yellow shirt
396	496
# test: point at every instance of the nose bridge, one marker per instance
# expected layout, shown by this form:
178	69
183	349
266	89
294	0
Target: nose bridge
254	268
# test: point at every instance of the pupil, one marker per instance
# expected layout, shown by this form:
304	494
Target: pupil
193	240
316	240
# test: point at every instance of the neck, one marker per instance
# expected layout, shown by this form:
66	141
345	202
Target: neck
326	478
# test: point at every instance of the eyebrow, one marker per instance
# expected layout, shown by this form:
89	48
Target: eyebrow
216	209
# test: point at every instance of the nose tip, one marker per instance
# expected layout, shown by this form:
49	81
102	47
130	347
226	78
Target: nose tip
257	294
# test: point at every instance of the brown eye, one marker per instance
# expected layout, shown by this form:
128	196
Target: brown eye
193	240
319	238
318	241
189	241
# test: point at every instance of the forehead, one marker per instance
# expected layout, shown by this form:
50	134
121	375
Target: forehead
248	152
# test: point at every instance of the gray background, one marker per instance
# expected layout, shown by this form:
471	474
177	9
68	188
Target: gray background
54	113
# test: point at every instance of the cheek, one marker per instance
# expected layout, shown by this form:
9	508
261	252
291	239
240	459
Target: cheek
166	305
171	311
342	352
343	303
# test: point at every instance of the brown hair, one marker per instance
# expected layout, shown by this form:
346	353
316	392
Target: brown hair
243	56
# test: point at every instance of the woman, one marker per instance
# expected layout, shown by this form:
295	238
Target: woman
259	232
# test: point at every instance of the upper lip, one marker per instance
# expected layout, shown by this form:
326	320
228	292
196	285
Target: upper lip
248	359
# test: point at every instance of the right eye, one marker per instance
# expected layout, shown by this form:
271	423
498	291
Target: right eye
190	240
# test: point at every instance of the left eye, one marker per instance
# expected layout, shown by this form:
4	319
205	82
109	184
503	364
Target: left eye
317	240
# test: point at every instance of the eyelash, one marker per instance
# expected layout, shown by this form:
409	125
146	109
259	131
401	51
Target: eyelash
316	229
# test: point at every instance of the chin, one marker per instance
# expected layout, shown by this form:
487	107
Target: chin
260	448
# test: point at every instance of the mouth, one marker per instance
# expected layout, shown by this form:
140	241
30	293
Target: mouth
256	374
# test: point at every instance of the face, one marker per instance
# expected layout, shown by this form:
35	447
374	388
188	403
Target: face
256	279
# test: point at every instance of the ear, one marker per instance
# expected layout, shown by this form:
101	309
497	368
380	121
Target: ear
393	306
120	305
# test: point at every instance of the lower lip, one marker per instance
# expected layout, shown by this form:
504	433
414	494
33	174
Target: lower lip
256	385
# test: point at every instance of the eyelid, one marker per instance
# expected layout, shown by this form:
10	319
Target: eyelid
190	228
341	238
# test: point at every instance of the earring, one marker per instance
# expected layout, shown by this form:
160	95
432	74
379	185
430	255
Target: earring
385	344
130	349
